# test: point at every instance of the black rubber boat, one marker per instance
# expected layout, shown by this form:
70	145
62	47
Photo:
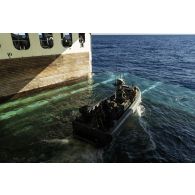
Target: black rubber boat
98	124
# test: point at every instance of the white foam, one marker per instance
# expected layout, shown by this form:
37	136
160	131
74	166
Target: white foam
140	110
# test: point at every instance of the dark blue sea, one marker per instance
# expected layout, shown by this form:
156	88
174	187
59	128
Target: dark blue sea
38	128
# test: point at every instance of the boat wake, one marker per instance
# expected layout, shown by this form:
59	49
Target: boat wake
140	110
151	87
70	150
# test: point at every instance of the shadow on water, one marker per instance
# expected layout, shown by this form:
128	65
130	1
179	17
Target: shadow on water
165	132
132	144
38	128
157	136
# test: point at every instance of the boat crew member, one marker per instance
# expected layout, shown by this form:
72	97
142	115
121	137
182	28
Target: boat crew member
120	93
134	92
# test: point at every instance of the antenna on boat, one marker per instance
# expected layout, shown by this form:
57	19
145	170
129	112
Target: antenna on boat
121	76
116	74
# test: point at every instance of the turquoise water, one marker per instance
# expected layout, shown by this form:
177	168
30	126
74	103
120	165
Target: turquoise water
38	128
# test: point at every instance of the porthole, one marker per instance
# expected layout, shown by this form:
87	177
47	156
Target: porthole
46	40
21	41
66	39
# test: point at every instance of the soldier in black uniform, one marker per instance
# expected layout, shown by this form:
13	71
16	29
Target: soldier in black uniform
120	93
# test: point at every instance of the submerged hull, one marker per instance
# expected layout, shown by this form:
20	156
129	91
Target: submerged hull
99	137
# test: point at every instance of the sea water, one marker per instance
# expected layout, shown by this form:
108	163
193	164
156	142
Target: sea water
38	128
